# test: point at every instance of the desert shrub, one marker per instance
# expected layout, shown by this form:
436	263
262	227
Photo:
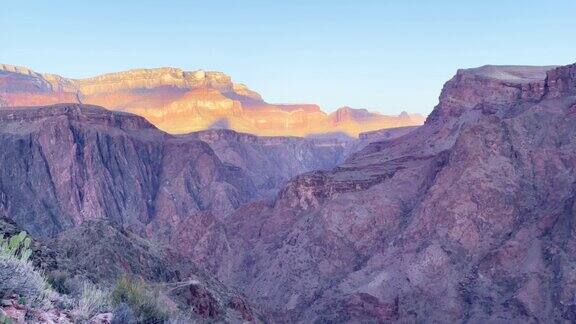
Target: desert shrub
59	281
144	301
17	246
182	319
63	302
5	319
123	314
91	301
17	274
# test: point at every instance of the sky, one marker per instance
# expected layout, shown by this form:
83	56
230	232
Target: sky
386	56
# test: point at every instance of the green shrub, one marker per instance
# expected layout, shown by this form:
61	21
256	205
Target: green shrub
17	274
5	319
59	281
144	301
123	314
17	246
92	300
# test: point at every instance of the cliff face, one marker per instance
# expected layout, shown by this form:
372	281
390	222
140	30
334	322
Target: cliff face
491	86
272	161
467	218
62	165
180	102
154	78
386	134
22	87
561	81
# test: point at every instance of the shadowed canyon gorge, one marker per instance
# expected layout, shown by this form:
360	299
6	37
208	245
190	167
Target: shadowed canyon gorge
466	218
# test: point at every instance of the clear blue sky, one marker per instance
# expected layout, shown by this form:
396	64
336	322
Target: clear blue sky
382	55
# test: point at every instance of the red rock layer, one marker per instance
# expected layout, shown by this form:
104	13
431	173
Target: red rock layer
180	102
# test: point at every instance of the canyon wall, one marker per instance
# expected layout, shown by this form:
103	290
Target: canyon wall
466	218
179	102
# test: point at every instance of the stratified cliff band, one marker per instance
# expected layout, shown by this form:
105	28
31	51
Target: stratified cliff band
179	102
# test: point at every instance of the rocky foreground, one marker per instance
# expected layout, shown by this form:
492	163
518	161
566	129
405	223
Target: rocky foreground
96	254
180	102
468	218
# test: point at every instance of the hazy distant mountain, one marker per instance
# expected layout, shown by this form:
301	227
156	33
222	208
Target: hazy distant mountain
178	101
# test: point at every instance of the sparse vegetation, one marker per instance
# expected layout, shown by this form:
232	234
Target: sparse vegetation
123	314
92	300
17	246
17	274
131	299
5	319
146	303
60	281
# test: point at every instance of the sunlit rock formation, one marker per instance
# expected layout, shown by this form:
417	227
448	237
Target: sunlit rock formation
179	102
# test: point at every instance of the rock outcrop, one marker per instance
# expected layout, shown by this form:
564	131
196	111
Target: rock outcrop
65	164
271	161
386	134
467	218
180	102
99	252
561	81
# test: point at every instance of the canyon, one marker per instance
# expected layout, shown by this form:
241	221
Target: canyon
467	218
180	102
92	163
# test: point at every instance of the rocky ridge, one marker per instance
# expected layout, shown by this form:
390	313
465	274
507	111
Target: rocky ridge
81	255
91	163
272	161
179	102
463	219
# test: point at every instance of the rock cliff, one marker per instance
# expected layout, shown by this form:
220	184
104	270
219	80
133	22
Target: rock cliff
272	161
64	164
466	218
180	102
